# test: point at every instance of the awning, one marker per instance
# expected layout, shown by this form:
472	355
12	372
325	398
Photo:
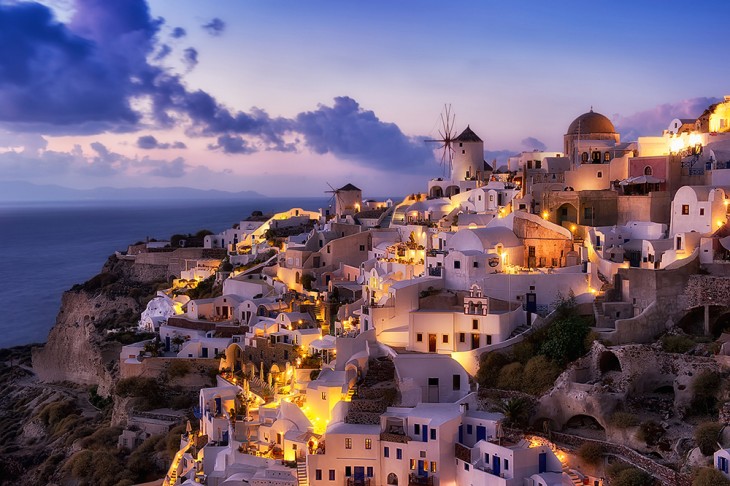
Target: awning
645	179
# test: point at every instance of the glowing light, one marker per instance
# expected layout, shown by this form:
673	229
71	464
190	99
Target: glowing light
573	228
720	223
726	202
545	215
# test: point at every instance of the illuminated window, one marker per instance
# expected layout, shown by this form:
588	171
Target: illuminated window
324	395
648	170
348	443
685	209
368	443
413	464
433	466
606	156
584	156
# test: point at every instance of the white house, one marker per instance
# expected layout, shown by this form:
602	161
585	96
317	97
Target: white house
698	208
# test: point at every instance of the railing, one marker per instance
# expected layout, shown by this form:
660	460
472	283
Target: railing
415	479
351	481
394	437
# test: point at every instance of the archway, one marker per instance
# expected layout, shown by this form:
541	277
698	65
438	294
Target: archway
693	322
566	213
392	479
452	190
585	426
608	362
436	192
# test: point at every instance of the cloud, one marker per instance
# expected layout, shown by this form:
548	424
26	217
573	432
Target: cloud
163	52
178	33
148	142
190	57
350	132
215	27
653	121
173	169
232	144
500	156
531	143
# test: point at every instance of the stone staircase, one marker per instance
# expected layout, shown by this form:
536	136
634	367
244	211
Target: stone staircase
574	478
519	330
302	479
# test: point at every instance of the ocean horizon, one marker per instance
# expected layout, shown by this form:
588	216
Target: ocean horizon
47	247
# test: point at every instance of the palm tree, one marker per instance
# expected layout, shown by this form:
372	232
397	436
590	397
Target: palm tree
516	411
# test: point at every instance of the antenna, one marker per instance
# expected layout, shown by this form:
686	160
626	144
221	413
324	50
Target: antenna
447	134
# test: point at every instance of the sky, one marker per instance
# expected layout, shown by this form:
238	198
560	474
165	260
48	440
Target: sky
285	96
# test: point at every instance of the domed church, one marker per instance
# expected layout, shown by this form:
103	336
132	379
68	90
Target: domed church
591	139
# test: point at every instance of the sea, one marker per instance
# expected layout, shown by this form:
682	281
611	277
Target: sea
45	248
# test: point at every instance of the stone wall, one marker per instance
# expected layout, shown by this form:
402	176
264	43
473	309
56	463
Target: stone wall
198	377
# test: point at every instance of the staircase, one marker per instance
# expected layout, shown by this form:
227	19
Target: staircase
302	479
574	478
519	330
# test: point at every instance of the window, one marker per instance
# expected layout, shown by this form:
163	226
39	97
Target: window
475	324
606	156
348	471
538	164
348	443
318	475
584	156
596	156
491	198
588	212
486	458
476	264
506	464
328	248
386	451
399	454
599	174
462	337
648	170
489	339
368	443
433	382
469	429
466	466
413	464
457	264
369	472
417	429
324	395
433	434
362	247
423	454
433	466
702	211
332	474
445	339
419	337
685	209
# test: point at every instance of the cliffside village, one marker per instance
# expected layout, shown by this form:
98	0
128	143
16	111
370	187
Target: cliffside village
347	339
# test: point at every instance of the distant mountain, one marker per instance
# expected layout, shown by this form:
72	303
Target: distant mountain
21	191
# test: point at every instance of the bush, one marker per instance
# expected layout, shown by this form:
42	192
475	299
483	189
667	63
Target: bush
623	420
178	369
147	389
633	477
489	366
705	389
650	432
707	435
708	476
677	344
510	377
565	339
591	453
539	375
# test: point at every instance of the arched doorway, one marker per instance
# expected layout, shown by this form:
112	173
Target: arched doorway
566	213
608	362
436	192
392	479
585	426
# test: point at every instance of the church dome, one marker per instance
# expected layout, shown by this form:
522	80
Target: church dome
591	122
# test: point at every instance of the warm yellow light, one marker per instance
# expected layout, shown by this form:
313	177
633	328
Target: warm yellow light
545	215
720	223
573	228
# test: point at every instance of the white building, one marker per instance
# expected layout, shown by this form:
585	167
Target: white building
698	208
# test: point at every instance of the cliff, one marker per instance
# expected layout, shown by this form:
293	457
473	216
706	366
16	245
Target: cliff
81	347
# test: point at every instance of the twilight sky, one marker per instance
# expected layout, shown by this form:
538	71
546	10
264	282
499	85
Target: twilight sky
282	96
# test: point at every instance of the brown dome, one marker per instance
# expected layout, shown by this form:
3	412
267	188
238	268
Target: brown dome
591	122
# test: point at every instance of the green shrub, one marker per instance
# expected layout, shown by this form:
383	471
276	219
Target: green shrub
677	344
633	477
623	420
708	476
524	351
707	435
591	453
489	366
539	375
705	388
566	339
510	377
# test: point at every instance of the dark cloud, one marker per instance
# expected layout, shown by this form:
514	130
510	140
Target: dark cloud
531	143
190	57
163	52
349	132
653	121
215	27
149	142
178	33
232	144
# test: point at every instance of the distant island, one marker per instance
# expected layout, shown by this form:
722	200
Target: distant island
21	191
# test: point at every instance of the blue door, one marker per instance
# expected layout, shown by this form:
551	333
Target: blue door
481	433
542	463
359	474
424	433
421	469
461	434
495	465
205	352
167	343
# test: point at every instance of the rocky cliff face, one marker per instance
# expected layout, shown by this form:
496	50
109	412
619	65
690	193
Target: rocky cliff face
77	349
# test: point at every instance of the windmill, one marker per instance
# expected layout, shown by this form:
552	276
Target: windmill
336	197
447	136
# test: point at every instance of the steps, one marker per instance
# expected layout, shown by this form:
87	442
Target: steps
574	478
302	479
518	331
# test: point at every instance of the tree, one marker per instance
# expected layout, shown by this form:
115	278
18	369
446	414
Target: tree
539	375
707	436
516	411
489	366
307	281
632	477
705	389
708	476
565	339
591	453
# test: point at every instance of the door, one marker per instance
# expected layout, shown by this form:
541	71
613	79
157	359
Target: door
431	343
359	475
481	433
424	433
474	341
167	343
495	465
542	463
205	352
461	434
421	468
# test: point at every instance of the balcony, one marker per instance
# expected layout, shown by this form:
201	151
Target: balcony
351	481
415	479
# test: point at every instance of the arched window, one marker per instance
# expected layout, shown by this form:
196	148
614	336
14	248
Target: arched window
297	278
596	156
648	170
606	156
584	156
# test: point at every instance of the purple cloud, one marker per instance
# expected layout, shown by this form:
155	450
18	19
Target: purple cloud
190	57
655	120
178	33
531	143
215	27
233	144
149	142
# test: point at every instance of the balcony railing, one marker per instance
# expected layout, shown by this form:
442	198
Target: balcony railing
351	481
415	479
